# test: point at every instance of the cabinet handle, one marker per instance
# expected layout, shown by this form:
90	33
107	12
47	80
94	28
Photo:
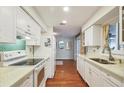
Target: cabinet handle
108	75
90	71
28	26
28	33
28	29
28	77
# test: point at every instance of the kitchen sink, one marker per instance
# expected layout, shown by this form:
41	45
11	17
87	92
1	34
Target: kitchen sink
102	61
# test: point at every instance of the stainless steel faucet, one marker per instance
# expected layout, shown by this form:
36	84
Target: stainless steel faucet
111	58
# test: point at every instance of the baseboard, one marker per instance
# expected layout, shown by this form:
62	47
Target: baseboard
64	59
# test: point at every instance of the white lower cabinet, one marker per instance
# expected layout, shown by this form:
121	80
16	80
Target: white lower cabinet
28	81
94	76
87	74
80	66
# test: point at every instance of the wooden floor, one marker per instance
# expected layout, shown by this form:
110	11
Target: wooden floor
66	76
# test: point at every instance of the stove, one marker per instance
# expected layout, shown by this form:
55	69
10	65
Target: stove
19	58
28	62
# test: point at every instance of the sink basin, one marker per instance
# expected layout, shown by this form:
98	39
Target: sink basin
102	61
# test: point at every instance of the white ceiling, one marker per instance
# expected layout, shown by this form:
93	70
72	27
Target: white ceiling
67	31
75	17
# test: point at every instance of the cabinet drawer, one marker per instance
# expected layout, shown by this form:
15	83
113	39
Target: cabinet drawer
28	82
110	78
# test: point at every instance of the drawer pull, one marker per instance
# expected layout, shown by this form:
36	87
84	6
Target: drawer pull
28	26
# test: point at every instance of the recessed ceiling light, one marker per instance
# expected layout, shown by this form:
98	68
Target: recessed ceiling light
66	9
64	21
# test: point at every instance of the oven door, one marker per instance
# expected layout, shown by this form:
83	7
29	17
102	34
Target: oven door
39	74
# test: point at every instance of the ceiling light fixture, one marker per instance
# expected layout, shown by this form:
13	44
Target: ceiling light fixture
64	21
66	9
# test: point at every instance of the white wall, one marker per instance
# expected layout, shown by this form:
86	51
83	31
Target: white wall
65	53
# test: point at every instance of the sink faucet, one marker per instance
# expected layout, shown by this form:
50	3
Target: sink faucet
111	58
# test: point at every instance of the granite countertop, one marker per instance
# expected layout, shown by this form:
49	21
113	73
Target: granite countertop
115	70
12	75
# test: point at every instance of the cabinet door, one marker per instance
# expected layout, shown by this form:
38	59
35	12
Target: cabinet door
21	19
8	24
78	63
87	37
87	73
92	76
23	23
82	65
36	31
92	36
79	66
96	80
28	82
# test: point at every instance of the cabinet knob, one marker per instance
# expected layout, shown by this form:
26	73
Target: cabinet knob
108	75
28	29
28	26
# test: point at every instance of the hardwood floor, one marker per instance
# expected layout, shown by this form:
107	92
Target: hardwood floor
66	76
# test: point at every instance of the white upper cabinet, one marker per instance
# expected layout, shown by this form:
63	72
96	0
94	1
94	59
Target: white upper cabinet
93	35
7	24
24	22
21	19
26	26
35	30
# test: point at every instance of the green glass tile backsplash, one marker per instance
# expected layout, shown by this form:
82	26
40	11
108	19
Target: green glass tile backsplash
20	45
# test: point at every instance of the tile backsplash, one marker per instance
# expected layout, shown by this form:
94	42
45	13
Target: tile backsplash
19	45
92	49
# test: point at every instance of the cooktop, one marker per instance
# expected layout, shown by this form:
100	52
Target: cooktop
28	62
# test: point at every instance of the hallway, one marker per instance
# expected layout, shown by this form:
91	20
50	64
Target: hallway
66	76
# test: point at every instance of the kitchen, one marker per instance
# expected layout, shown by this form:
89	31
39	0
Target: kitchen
35	44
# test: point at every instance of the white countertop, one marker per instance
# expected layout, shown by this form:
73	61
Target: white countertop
11	75
116	70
